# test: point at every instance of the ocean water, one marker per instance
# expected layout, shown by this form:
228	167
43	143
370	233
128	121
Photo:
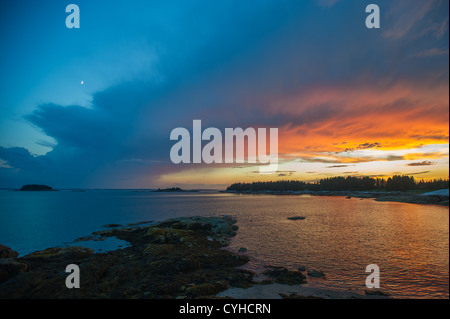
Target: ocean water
408	242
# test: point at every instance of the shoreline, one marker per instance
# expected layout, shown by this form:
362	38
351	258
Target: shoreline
179	258
401	197
284	291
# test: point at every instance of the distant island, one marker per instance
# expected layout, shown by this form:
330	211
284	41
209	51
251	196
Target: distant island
35	187
173	189
349	183
397	188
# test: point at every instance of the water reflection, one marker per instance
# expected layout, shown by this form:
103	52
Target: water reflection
339	236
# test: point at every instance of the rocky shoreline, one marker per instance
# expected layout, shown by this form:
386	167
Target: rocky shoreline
402	197
181	258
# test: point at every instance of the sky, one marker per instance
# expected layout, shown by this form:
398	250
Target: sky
93	107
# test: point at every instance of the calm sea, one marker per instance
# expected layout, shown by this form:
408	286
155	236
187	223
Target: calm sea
408	242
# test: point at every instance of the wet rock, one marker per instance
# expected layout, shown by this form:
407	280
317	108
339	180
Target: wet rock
113	231
316	273
375	293
140	223
205	290
296	296
168	235
187	264
162	261
222	226
223	241
112	225
284	276
90	238
296	218
6	252
75	251
159	250
10	267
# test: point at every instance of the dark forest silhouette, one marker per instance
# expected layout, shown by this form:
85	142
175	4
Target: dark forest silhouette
349	183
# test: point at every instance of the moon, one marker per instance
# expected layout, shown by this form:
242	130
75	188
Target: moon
82	82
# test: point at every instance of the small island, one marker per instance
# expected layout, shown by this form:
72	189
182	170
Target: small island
173	189
36	187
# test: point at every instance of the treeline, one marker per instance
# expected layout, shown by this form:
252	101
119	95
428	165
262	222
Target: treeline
349	183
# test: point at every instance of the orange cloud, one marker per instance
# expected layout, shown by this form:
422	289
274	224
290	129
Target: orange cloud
388	118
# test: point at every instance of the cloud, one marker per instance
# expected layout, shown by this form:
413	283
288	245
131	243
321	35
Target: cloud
102	146
284	173
338	166
19	157
424	163
368	145
419	173
4	164
431	53
407	112
46	143
430	137
363	146
326	3
438	29
423	155
405	15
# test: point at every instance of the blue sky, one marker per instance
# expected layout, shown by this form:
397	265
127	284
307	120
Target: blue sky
150	66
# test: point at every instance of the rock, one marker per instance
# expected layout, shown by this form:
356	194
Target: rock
217	227
167	235
6	252
285	277
157	235
172	189
79	252
90	238
159	249
161	262
316	273
111	225
242	250
140	223
296	296
223	241
375	293
296	218
10	267
207	289
302	268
